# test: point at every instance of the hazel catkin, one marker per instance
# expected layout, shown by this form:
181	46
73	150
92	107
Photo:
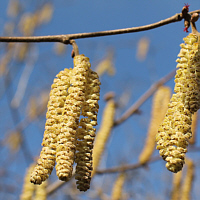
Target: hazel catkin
118	186
159	109
86	133
103	133
176	190
188	180
66	146
55	107
175	131
28	188
188	73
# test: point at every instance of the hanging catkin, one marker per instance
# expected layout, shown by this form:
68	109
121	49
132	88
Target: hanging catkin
86	133
175	131
40	191
188	75
31	191
66	147
103	133
118	186
187	183
159	109
176	187
55	106
28	188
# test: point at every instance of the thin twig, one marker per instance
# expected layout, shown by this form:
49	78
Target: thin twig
66	38
57	184
134	108
127	167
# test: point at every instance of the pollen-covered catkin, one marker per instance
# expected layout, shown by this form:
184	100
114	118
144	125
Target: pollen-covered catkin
65	151
187	183
176	187
103	133
118	186
86	132
55	107
188	75
175	131
28	187
159	109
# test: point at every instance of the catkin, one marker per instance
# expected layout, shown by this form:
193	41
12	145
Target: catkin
103	133
28	188
40	191
55	107
66	146
159	109
86	133
194	128
188	75
176	191
118	186
175	131
187	184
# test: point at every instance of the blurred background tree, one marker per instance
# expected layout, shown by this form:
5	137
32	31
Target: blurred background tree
129	66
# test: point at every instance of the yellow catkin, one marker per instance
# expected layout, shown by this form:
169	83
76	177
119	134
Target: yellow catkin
44	15
143	48
86	133
27	24
66	147
106	65
22	51
118	186
187	183
32	108
14	8
194	128
40	192
28	188
13	140
175	131
103	133
176	191
55	107
188	75
159	109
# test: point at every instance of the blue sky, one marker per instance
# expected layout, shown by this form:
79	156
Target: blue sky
131	75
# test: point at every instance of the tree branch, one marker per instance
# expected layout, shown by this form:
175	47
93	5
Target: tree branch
57	184
144	97
66	38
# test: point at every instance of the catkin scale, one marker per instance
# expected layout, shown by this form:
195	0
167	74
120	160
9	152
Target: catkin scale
159	108
66	146
175	131
55	105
